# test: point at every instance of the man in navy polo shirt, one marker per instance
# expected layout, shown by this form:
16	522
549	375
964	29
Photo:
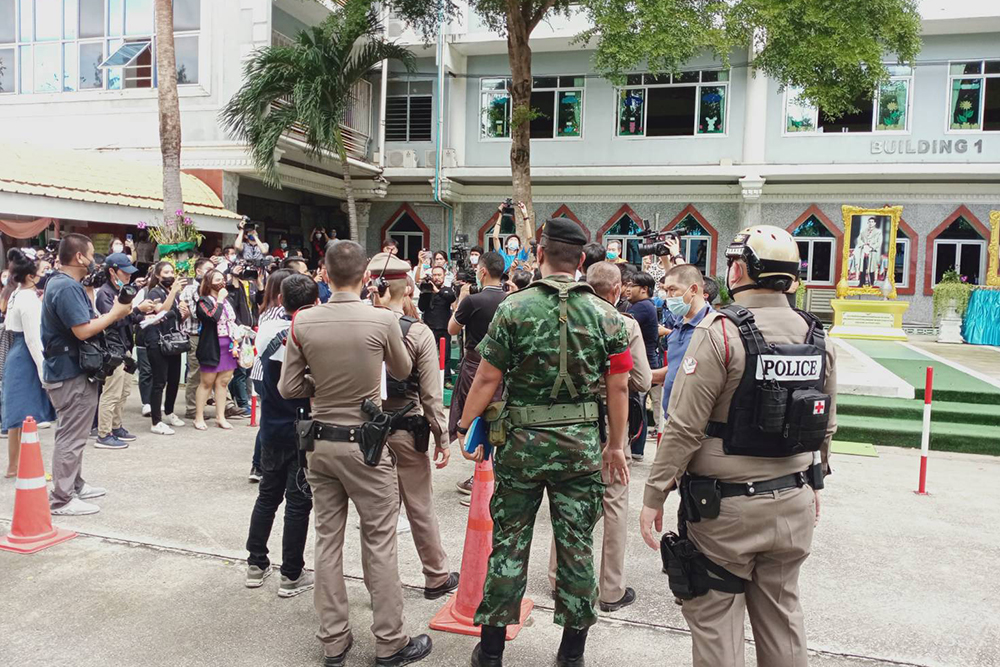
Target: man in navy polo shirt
685	301
68	317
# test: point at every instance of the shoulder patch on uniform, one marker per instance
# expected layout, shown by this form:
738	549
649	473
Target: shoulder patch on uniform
690	364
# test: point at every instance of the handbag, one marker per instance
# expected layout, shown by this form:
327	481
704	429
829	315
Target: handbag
173	343
246	355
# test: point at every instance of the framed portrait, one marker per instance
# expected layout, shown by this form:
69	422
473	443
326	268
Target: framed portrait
993	251
869	251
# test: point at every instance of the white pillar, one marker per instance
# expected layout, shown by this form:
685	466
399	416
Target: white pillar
752	186
755	116
363	209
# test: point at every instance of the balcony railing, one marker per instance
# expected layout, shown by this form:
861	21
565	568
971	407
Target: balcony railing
357	123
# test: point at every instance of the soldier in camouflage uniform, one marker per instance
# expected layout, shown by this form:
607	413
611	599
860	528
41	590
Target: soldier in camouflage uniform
553	342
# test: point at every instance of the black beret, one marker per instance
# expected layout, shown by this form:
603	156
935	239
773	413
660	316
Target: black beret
564	230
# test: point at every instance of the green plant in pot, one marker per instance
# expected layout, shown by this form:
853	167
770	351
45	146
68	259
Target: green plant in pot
953	291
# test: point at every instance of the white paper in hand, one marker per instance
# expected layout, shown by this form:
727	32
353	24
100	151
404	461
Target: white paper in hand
384	388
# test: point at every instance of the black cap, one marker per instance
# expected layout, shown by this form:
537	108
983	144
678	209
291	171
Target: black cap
564	230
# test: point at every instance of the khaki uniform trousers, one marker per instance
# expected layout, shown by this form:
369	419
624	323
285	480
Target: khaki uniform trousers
337	474
763	539
192	379
656	399
117	387
413	469
612	581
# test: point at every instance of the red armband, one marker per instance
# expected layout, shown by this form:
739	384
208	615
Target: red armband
620	363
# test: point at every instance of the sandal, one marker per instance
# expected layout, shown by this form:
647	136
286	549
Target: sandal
200	427
227	426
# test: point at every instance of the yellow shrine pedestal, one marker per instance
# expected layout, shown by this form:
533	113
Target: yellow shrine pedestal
876	320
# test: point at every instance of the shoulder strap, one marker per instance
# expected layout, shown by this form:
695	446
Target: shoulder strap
273	346
816	334
405	322
744	321
563	377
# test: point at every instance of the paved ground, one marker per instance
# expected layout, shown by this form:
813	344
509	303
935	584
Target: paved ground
156	577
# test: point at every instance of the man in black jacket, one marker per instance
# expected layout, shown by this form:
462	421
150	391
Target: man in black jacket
243	297
110	432
435	304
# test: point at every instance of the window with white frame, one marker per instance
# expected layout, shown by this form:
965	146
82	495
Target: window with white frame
975	95
902	264
52	46
409	238
408	110
960	248
557	103
817	246
696	243
625	232
887	111
665	105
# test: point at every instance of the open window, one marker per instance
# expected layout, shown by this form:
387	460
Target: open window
557	103
130	63
665	105
886	111
817	251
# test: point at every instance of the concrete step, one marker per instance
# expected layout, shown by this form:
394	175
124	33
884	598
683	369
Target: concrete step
896	432
941	411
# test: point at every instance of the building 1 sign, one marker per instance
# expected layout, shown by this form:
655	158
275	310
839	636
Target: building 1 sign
926	146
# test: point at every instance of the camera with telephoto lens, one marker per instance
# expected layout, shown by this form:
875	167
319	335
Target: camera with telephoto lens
247	225
460	252
250	269
97	277
655	243
467	277
426	285
127	293
97	359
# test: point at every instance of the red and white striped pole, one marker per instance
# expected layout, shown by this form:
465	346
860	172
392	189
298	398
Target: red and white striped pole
442	351
925	439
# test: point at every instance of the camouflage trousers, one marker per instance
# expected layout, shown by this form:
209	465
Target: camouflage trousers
575	503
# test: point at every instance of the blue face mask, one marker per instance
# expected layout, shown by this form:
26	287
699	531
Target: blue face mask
612	256
677	306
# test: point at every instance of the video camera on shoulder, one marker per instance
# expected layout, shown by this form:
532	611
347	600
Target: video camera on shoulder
653	242
247	225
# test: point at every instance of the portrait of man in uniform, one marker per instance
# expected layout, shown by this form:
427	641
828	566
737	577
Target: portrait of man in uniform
868	262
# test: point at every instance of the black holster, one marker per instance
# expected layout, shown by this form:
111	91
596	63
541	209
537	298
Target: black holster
375	432
602	421
305	436
420	427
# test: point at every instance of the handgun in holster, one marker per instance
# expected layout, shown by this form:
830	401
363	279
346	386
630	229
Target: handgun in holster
305	434
375	431
602	421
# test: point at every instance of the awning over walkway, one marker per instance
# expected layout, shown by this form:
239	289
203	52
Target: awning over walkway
90	186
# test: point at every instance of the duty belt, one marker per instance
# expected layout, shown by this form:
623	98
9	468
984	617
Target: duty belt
716	429
335	433
559	414
795	480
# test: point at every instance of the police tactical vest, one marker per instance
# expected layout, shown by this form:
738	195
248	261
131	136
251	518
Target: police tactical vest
779	408
400	388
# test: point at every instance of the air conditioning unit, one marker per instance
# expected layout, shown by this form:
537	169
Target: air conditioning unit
449	159
401	159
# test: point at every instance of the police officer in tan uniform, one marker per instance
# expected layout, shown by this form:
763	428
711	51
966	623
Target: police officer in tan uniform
751	416
606	280
334	355
409	442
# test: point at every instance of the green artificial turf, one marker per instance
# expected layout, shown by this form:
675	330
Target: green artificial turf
853	448
952	437
901	408
950	384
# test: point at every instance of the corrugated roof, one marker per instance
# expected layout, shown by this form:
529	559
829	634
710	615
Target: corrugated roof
100	178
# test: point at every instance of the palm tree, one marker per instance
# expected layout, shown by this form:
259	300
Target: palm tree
170	112
309	86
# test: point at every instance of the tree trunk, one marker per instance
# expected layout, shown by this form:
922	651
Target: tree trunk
352	212
170	113
519	54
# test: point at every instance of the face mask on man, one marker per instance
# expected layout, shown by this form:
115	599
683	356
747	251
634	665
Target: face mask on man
474	260
678	306
230	258
117	247
612	255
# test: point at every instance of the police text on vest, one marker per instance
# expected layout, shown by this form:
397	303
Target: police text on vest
789	369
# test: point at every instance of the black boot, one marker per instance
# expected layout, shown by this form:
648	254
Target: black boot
571	649
489	651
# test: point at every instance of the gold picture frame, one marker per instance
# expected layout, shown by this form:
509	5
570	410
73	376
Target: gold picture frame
993	251
865	233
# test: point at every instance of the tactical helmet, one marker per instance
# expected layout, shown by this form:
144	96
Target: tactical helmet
767	251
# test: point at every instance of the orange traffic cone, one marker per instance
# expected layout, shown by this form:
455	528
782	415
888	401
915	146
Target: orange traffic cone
31	530
457	614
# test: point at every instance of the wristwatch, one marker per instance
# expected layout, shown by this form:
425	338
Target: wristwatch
461	430
674	258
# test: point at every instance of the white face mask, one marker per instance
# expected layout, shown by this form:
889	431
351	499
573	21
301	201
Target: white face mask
117	247
512	246
474	259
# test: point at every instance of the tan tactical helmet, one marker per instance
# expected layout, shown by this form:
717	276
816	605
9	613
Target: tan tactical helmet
767	251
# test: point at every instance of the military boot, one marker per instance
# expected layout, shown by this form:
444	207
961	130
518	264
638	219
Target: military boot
571	649
489	651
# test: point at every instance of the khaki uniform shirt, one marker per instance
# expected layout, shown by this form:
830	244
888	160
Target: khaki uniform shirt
704	395
641	376
342	344
422	347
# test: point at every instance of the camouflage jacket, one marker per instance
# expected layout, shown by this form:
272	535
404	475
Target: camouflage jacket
523	342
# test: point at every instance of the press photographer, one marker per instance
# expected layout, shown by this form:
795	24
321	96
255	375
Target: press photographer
117	270
435	304
244	285
68	318
247	243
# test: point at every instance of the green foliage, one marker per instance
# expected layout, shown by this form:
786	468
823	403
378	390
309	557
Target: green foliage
952	292
800	296
524	114
725	298
308	85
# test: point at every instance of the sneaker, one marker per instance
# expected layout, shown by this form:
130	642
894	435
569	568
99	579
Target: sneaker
88	492
637	458
247	411
256	576
465	486
146	410
109	441
44	425
122	434
76	507
93	433
162	429
289	588
3	434
233	412
173	420
402	524
465	501
255	475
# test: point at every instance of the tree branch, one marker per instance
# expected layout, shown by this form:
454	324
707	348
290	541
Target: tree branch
539	14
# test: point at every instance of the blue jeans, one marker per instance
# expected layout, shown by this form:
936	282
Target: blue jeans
238	387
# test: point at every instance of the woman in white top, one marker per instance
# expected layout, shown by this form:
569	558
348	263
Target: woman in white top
23	395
